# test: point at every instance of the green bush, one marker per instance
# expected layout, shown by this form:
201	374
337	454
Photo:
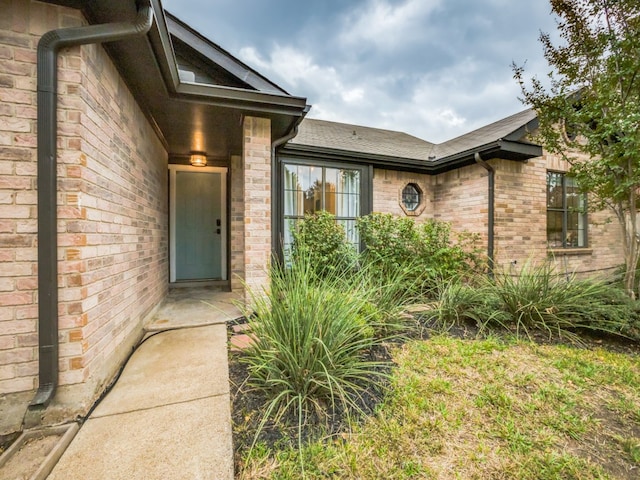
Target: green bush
425	252
321	240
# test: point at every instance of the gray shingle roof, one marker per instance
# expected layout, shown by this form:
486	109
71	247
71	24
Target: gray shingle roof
356	138
484	135
360	139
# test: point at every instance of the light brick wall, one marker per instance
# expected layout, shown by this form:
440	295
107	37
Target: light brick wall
520	212
112	199
237	224
460	197
387	192
257	201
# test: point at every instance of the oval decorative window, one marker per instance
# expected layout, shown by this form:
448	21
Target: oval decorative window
411	197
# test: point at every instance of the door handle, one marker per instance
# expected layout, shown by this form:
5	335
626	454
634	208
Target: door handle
218	231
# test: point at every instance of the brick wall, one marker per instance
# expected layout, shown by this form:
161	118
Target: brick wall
237	223
112	211
257	201
387	188
460	197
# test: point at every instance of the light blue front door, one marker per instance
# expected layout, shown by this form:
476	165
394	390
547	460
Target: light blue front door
198	225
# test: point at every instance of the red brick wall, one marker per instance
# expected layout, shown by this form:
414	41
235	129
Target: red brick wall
112	198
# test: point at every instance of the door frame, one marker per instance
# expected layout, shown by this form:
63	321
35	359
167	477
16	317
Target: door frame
173	169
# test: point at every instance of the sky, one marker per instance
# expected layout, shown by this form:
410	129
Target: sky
434	69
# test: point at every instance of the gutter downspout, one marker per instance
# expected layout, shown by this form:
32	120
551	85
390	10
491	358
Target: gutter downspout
47	124
276	214
491	211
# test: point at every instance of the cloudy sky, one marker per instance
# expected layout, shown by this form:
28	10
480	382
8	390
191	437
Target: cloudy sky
431	68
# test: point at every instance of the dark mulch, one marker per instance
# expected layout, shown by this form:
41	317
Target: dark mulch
247	405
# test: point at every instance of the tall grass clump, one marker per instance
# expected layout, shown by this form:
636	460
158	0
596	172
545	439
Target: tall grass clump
539	299
312	344
460	301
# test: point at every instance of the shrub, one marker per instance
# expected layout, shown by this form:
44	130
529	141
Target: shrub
538	300
424	252
321	240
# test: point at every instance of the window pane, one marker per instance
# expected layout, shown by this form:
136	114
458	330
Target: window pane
331	178
289	228
410	197
348	193
554	190
293	194
351	232
309	189
554	230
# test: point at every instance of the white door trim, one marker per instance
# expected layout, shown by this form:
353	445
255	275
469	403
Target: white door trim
172	215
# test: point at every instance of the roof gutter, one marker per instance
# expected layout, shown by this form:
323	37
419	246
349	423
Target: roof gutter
47	85
491	211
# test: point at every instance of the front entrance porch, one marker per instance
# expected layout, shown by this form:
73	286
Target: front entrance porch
195	307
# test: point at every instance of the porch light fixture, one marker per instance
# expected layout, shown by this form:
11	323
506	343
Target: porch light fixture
198	159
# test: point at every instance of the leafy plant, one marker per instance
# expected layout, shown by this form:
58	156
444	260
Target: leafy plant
424	251
321	240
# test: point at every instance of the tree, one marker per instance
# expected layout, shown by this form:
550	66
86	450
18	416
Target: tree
594	95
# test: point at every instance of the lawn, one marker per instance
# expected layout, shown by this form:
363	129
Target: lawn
475	409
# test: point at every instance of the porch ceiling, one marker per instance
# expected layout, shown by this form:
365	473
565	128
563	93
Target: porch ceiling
186	116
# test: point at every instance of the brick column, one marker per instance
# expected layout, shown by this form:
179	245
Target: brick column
257	201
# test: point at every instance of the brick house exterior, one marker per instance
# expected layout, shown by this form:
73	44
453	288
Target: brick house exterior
131	111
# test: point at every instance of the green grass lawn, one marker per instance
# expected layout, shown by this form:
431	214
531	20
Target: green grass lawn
483	409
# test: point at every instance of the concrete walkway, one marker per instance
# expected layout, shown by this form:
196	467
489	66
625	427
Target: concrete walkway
168	416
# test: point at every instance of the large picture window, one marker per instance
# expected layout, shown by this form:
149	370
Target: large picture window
312	188
566	212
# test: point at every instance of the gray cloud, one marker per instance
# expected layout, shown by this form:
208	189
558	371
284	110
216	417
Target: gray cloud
431	68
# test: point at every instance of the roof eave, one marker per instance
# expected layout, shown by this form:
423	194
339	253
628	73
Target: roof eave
210	50
242	99
524	130
247	100
503	149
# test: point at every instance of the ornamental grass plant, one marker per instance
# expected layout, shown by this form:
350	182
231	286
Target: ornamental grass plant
537	300
313	342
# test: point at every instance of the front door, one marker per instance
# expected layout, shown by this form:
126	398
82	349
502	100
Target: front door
198	224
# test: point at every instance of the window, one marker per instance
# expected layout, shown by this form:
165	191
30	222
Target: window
411	197
311	188
566	212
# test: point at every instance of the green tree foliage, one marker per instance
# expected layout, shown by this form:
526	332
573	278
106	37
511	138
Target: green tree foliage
594	93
